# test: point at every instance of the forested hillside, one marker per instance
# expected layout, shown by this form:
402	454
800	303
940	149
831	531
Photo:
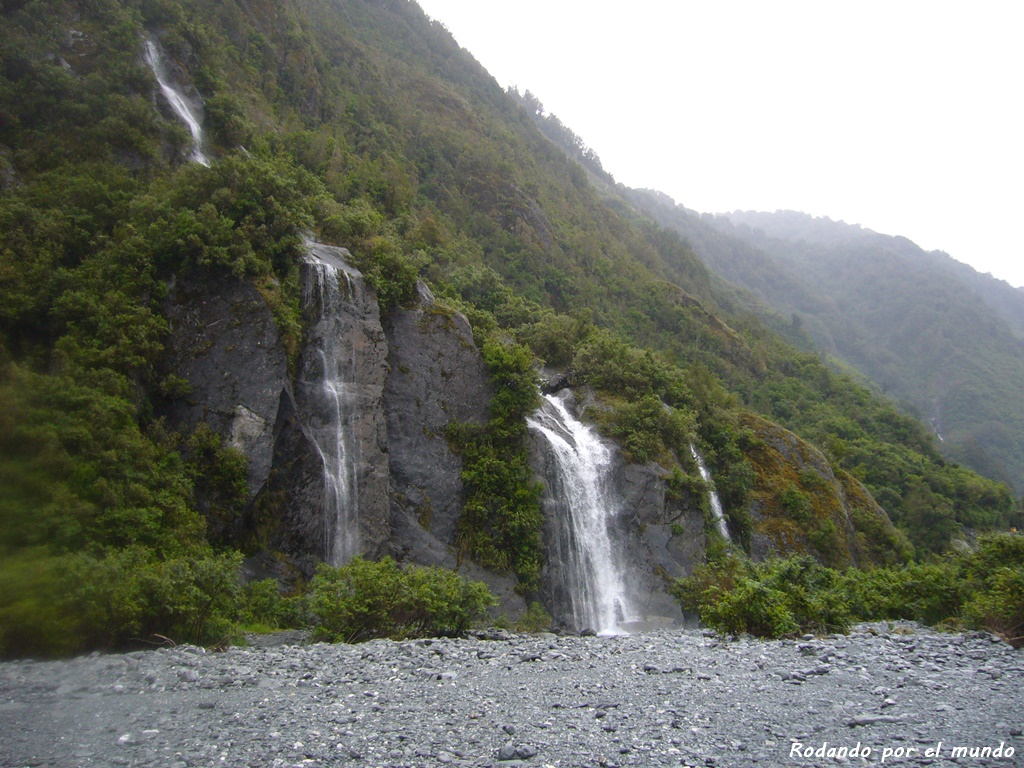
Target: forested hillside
932	333
364	123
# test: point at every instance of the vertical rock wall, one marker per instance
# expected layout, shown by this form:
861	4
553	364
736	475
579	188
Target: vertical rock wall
408	380
290	515
656	545
225	345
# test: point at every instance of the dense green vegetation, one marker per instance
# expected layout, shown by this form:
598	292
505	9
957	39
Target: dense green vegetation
366	124
363	600
940	339
500	525
982	589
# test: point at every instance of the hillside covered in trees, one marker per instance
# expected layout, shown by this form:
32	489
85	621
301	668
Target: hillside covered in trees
943	341
363	123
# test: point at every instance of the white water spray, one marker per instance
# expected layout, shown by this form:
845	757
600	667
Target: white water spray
326	385
181	106
716	504
592	569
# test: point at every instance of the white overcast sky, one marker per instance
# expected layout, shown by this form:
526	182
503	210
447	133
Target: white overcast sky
904	117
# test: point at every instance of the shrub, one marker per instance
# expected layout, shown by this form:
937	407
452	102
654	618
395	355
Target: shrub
982	589
363	600
772	599
536	619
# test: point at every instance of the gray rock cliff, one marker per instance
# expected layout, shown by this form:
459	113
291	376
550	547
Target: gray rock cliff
327	498
656	540
225	344
436	376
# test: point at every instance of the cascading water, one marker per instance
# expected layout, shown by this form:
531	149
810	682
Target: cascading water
591	572
716	504
181	106
326	386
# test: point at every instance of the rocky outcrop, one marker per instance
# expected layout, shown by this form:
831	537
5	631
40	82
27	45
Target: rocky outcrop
666	538
436	376
654	540
327	495
225	345
800	504
360	428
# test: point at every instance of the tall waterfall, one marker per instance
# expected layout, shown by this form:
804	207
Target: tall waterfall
591	572
326	384
178	102
716	504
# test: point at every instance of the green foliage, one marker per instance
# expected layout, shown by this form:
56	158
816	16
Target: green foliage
649	430
262	605
51	606
928	592
369	123
978	589
536	619
775	598
500	525
363	600
219	476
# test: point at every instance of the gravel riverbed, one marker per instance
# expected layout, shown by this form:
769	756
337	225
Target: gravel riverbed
884	694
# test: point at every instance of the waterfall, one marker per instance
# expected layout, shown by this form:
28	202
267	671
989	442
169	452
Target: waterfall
591	573
716	504
178	102
326	385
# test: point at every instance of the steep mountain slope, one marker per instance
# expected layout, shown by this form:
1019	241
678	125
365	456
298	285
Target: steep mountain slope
939	338
916	324
162	330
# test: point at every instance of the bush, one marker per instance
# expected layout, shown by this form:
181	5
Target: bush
500	524
536	619
363	600
775	598
56	606
982	589
927	592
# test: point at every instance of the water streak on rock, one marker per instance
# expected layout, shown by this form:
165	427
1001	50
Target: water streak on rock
326	384
716	504
181	106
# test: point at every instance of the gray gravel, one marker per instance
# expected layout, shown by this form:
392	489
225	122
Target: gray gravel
679	697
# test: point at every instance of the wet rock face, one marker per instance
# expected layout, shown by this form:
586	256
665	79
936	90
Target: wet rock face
225	344
436	376
665	537
331	428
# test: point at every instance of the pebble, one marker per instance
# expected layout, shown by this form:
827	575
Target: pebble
497	698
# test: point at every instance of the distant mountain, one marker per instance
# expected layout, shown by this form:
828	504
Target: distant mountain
932	333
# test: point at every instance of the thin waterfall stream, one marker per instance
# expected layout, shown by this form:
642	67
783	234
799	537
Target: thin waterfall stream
326	385
181	106
716	503
591	572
